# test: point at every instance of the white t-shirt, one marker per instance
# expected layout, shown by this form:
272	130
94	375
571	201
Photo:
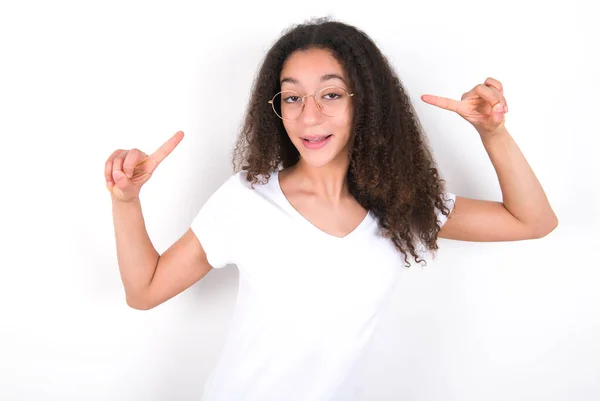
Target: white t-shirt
307	302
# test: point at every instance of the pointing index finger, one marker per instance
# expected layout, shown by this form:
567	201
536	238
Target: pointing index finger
443	102
165	150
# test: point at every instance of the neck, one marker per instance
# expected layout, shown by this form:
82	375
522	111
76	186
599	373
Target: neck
325	182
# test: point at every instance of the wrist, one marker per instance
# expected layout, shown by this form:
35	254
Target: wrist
119	201
499	133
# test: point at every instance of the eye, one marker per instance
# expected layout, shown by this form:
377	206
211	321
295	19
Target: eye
291	99
331	96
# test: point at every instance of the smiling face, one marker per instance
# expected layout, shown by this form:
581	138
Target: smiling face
308	72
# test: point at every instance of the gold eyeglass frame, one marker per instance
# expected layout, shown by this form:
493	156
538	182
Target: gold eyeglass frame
319	105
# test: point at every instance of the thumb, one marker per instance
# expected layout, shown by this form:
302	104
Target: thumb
120	179
498	112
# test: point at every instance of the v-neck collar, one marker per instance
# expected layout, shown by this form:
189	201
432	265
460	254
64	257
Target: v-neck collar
368	219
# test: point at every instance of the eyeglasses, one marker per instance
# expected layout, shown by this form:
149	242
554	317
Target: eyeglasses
332	101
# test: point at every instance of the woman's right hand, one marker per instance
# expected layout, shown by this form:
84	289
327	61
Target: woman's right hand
127	170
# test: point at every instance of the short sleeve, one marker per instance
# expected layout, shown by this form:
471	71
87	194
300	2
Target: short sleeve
449	199
214	224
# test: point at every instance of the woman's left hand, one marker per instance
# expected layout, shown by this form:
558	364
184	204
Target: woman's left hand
483	106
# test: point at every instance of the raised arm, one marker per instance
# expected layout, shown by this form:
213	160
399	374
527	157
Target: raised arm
525	212
148	278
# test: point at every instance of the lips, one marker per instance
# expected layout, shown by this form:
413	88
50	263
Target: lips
316	138
317	144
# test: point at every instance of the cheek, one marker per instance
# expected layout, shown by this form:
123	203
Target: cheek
343	125
290	129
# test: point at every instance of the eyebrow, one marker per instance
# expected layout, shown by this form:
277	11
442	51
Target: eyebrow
324	78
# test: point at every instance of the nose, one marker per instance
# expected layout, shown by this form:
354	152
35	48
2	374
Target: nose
311	113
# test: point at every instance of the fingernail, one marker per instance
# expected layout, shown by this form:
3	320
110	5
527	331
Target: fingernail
506	108
499	107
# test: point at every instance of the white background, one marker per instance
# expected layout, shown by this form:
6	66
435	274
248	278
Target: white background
78	80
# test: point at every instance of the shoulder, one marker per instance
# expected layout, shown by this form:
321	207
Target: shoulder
235	181
239	186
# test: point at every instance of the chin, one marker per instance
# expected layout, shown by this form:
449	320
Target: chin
316	160
316	164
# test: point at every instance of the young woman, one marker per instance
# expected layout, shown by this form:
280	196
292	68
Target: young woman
337	190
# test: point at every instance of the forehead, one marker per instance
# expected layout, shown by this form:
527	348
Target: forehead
308	66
